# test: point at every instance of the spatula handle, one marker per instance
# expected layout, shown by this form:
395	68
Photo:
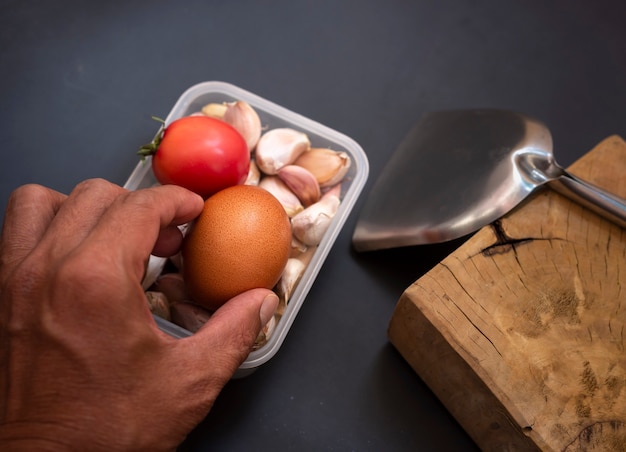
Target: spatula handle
605	204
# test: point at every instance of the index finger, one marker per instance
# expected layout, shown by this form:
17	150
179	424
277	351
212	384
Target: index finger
132	223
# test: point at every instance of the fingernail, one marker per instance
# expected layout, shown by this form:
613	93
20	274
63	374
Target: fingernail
268	308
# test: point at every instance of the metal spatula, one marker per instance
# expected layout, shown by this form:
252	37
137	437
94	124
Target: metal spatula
458	171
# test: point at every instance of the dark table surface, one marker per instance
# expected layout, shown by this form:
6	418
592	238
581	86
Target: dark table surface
80	80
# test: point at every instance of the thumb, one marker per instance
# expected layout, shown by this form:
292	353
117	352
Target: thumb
229	334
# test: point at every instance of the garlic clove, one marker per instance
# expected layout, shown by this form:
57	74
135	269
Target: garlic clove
239	114
283	193
297	247
334	190
265	333
254	175
279	147
329	167
302	182
172	286
158	304
245	119
310	225
306	257
189	315
214	110
293	271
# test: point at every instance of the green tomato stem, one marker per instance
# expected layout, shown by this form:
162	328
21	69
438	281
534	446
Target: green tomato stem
150	148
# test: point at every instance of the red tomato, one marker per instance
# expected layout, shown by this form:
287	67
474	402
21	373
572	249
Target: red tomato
202	154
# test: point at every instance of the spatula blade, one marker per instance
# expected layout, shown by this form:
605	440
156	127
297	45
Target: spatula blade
450	176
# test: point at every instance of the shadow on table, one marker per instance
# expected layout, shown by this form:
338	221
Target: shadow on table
397	268
406	400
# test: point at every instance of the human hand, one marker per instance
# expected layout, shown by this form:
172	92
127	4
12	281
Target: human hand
82	362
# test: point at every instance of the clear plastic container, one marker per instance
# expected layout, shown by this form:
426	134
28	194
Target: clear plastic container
272	116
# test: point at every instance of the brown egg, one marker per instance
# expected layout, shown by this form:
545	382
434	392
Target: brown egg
240	241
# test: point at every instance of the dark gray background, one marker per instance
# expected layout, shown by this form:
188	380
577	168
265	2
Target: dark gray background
79	81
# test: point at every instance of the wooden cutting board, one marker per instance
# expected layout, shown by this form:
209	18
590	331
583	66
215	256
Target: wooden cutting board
521	332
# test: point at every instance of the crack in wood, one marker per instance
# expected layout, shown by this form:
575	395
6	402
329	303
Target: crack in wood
504	243
446	297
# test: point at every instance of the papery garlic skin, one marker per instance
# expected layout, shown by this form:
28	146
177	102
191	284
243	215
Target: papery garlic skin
329	167
302	182
279	147
310	225
283	193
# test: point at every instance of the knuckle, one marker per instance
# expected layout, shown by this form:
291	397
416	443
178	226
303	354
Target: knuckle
142	203
98	185
19	290
32	193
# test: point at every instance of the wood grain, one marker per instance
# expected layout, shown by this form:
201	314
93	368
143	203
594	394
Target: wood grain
521	331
